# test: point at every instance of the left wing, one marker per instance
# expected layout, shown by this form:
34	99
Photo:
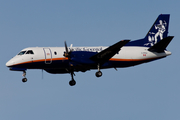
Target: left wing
109	52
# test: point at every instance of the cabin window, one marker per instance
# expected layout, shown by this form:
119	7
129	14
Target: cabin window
55	53
22	53
29	52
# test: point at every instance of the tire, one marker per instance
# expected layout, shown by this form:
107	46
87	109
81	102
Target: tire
98	74
24	80
72	82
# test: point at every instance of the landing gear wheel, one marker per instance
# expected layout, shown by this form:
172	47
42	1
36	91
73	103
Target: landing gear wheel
72	82
24	80
98	74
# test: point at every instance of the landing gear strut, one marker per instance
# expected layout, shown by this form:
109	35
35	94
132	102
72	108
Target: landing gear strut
24	75
72	82
98	73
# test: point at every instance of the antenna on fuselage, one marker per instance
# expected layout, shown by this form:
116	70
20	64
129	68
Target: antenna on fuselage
42	74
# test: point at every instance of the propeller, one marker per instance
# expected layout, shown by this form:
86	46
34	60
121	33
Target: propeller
66	53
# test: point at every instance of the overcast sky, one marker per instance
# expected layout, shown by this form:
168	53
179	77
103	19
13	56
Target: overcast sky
145	92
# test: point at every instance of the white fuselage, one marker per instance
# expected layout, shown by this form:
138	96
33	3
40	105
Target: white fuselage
47	55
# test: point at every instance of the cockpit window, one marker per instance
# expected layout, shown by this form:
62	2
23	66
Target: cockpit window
22	53
29	52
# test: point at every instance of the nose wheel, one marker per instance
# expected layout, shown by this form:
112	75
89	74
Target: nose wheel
24	80
24	75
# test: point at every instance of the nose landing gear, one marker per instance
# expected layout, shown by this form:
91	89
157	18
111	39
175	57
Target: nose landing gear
24	75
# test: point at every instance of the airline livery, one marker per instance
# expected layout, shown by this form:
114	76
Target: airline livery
125	53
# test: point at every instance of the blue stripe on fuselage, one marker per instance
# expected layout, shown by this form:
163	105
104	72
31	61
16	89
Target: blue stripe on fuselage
64	64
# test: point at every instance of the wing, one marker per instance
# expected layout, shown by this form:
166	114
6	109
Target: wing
109	52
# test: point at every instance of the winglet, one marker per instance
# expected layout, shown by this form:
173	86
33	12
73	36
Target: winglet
109	52
161	45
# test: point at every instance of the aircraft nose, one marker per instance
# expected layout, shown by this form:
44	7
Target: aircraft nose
9	63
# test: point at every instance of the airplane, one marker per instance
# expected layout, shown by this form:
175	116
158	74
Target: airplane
125	53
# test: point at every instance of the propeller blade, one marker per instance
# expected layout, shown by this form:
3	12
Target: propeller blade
66	53
66	48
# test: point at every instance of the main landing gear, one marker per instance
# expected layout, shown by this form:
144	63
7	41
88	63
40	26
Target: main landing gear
24	75
72	82
98	73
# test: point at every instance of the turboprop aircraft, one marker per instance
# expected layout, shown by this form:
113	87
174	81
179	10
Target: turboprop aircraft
125	53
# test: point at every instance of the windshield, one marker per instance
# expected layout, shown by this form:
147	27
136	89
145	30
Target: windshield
22	53
29	52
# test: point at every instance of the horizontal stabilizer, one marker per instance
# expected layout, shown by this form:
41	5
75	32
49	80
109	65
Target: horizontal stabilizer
109	52
161	45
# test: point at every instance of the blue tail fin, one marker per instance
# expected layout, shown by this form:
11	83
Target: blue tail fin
158	31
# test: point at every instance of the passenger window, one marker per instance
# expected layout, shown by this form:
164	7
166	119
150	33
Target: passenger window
29	52
55	53
22	53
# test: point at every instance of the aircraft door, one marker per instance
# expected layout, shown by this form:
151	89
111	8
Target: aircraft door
48	55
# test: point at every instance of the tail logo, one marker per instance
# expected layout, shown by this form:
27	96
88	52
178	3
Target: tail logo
153	37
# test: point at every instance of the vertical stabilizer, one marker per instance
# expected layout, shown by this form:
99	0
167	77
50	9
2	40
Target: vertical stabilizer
158	31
